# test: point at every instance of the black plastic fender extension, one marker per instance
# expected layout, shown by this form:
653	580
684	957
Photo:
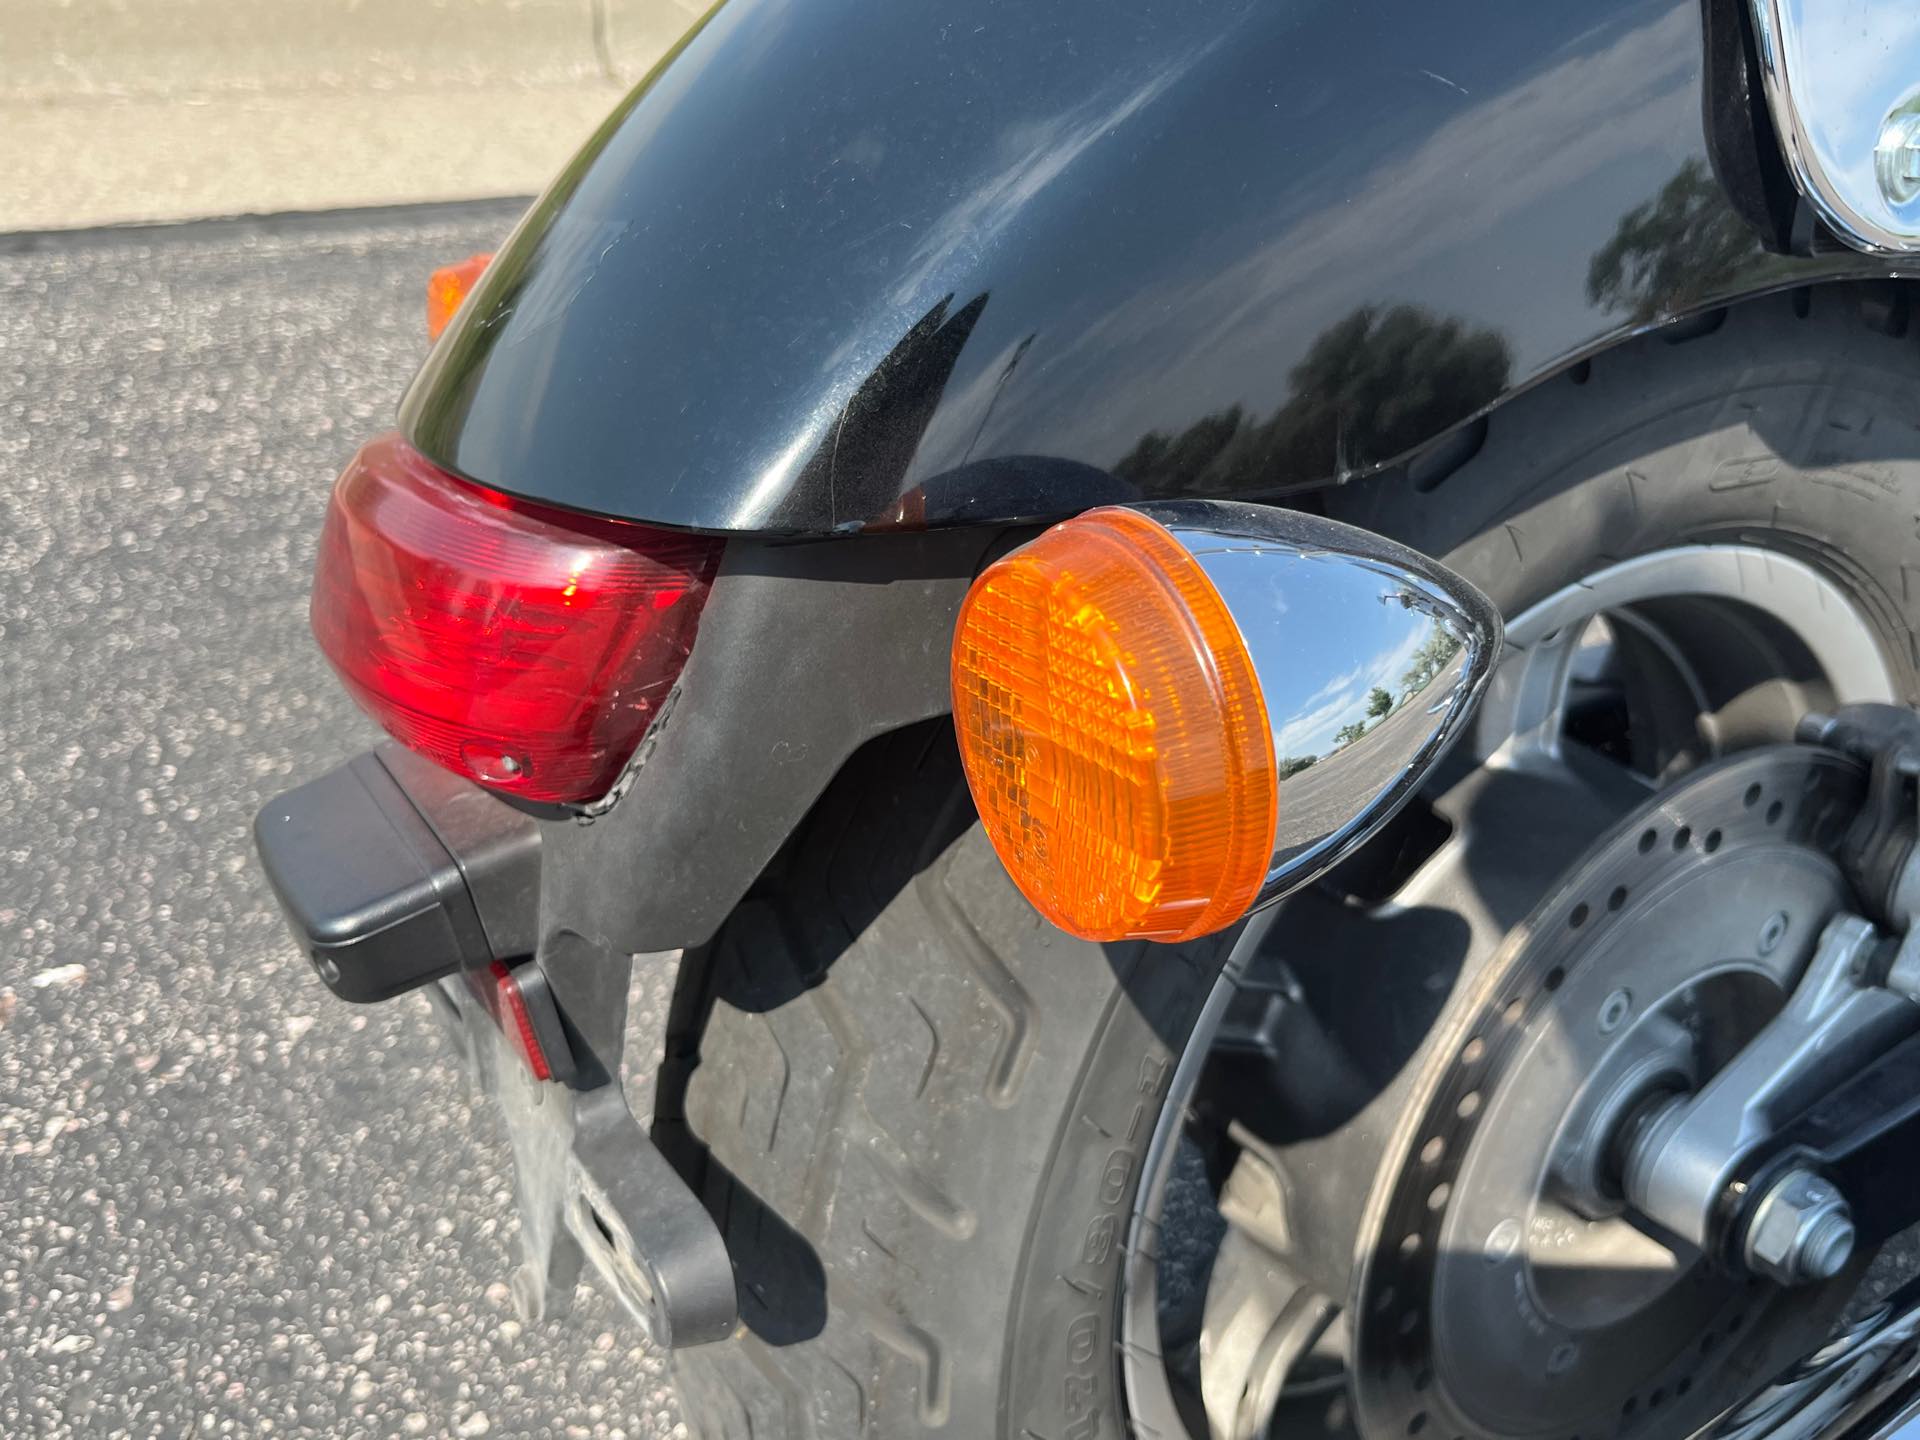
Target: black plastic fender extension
806	651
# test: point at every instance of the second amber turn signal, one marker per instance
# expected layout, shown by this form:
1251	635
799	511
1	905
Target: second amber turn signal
1114	734
447	287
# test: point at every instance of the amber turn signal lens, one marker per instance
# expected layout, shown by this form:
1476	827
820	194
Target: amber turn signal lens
1114	734
447	287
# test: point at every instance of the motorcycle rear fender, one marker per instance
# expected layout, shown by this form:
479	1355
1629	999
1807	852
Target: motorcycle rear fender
839	266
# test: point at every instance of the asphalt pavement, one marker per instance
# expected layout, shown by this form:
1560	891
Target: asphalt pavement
229	1204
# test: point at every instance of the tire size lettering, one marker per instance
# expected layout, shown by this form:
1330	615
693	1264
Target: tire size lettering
1088	1348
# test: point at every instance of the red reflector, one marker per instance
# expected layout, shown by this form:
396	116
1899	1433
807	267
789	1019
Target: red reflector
525	647
510	1012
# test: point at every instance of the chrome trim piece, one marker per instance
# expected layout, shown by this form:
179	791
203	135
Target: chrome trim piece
1371	660
1858	1386
1149	1401
1843	82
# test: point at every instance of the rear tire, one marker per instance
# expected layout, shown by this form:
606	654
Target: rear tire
920	1113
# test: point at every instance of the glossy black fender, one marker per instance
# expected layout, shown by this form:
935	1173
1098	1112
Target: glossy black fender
839	265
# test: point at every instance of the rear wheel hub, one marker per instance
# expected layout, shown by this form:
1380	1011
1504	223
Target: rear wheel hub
1507	1290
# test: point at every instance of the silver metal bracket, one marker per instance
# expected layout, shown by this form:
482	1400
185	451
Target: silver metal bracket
1848	1009
1684	1158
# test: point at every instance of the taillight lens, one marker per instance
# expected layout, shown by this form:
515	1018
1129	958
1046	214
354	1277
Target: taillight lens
525	647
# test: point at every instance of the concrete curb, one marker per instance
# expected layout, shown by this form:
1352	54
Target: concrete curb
118	111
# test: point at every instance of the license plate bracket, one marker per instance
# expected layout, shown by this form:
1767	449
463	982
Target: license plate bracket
593	1190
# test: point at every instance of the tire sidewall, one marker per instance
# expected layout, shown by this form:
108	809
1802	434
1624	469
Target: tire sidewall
1062	1377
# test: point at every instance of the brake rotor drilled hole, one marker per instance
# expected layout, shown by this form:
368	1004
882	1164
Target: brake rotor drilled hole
1656	1399
1752	797
1410	1244
1438	1196
1516	1010
1712	842
1686	1384
1683	837
1417	1423
1432	1151
1555	978
1648	838
1469	1105
1422	1379
1578	917
1473	1051
1618	898
1774	812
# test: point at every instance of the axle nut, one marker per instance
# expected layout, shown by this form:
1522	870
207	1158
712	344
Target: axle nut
1801	1231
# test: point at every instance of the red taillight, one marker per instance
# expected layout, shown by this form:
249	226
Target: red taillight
525	647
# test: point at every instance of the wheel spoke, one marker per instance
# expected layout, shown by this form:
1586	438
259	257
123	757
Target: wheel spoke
1517	824
1261	1322
1523	715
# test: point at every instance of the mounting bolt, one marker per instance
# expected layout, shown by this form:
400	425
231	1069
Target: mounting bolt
1896	159
1502	1241
1615	1009
1562	1357
1772	933
1814	728
1801	1231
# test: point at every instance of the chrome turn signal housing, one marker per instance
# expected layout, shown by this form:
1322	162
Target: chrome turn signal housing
1175	713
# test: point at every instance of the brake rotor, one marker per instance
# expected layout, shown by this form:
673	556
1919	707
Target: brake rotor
1504	1291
